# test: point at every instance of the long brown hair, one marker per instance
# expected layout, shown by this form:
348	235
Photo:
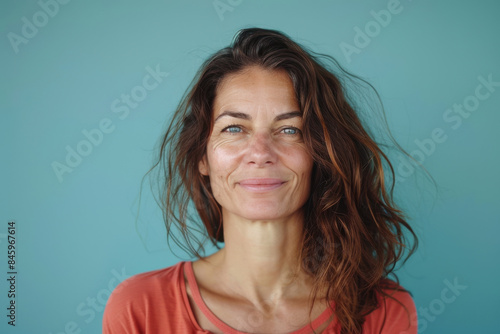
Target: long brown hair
354	235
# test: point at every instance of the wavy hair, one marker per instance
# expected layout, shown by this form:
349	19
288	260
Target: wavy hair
354	234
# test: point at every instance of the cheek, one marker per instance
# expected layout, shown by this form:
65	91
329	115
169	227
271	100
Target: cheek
298	160
223	160
222	156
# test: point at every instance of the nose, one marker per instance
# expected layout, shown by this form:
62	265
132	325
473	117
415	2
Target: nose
261	150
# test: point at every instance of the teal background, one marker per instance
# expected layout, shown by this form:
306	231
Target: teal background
76	236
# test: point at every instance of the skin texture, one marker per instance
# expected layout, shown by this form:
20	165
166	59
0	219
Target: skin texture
261	146
259	170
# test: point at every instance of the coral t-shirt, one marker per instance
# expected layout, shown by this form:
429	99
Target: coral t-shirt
157	302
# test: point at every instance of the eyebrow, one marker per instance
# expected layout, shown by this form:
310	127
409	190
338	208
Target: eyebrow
241	115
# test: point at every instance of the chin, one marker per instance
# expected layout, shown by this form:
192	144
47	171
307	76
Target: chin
264	212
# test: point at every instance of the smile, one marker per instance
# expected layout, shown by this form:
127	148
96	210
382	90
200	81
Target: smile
261	185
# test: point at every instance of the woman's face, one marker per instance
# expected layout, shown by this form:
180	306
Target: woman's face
258	165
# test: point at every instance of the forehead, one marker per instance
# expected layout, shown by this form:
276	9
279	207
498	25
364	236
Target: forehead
255	86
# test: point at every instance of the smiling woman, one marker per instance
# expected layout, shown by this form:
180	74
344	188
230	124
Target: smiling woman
279	167
256	159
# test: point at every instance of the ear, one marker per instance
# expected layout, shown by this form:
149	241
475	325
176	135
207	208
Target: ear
203	166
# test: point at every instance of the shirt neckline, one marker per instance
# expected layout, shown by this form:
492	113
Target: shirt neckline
195	292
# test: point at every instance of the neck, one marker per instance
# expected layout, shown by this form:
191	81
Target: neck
260	258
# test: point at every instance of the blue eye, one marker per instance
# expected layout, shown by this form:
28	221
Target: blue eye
232	129
291	131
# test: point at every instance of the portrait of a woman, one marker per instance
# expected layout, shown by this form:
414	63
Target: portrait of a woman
268	149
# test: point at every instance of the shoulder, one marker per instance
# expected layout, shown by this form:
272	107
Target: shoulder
147	281
135	299
140	287
396	312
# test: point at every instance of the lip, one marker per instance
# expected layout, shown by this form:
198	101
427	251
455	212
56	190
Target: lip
261	184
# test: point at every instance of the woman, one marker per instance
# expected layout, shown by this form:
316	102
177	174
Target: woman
279	168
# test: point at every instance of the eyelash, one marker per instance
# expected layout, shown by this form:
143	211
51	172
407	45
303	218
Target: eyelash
298	132
231	126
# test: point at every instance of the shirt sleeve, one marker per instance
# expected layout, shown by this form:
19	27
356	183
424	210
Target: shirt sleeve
120	315
397	314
